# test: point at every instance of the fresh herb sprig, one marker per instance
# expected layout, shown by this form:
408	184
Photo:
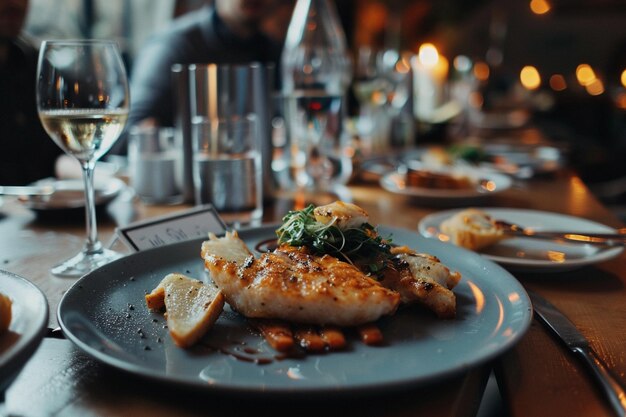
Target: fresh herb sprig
361	246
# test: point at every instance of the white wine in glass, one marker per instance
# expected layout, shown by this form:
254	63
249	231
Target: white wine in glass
83	103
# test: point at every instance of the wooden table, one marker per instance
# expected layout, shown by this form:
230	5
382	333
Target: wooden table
537	377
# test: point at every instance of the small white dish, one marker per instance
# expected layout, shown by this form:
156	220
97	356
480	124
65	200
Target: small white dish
28	325
69	193
487	184
534	255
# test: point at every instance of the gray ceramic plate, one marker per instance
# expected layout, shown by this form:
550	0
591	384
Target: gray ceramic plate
28	324
104	314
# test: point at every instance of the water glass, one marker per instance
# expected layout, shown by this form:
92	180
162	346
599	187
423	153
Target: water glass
227	168
155	165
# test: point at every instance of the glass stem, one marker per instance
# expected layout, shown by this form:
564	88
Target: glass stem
92	245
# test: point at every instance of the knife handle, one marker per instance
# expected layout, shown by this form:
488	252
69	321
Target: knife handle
612	389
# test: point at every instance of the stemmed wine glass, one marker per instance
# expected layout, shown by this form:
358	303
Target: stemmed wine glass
83	103
394	67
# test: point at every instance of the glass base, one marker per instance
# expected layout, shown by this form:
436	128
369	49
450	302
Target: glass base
84	262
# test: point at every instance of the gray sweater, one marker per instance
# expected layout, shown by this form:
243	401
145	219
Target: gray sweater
199	37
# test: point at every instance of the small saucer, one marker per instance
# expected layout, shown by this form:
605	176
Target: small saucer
69	194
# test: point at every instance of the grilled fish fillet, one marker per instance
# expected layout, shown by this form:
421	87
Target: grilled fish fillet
418	277
421	278
293	285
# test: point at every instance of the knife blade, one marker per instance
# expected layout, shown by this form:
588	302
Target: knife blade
576	342
590	238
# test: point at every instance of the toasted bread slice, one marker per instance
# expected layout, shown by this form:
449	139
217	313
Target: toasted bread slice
5	313
156	299
192	307
472	229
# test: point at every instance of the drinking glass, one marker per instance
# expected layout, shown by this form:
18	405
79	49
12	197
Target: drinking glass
155	160
369	85
227	168
83	103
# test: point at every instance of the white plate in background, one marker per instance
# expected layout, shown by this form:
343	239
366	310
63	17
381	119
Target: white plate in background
395	182
534	255
69	193
27	327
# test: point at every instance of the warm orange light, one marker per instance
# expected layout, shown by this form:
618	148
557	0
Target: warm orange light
556	257
481	71
478	296
623	78
557	82
403	66
428	55
595	88
576	193
443	237
585	74
530	78
476	99
621	101
539	6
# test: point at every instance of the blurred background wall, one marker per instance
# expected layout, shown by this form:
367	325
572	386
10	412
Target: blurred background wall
555	37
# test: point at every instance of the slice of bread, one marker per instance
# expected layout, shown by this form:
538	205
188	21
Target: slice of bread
191	307
5	313
472	229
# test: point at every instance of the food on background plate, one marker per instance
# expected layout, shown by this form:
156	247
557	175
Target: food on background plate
5	313
191	307
434	179
472	229
439	156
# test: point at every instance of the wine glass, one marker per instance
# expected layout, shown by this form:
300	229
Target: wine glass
83	103
369	86
395	67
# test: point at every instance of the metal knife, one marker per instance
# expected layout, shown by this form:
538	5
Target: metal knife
578	344
590	238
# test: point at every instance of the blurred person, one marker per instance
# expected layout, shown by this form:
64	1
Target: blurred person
26	151
221	32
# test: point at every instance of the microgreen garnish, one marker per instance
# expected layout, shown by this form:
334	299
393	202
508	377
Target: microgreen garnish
361	246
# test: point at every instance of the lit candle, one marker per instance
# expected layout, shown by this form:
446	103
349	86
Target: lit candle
430	74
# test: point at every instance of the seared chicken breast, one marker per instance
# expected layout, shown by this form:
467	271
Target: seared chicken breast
293	285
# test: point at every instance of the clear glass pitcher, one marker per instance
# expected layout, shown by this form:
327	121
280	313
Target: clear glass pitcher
316	72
